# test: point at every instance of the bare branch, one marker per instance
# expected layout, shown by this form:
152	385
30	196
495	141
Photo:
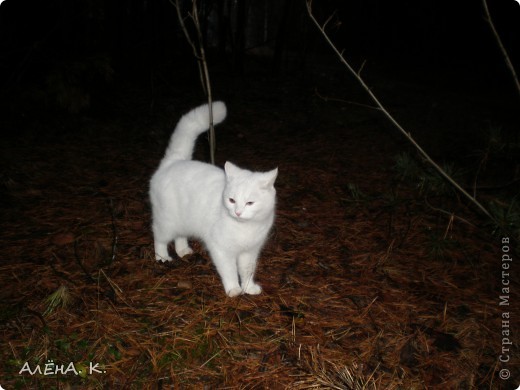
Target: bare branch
324	26
361	67
200	55
389	116
501	45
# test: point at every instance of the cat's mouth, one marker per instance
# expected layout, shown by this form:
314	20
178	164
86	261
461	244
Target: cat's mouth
238	217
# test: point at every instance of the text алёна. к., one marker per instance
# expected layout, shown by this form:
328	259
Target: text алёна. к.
51	368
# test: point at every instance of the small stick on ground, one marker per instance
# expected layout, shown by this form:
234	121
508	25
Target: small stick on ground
115	237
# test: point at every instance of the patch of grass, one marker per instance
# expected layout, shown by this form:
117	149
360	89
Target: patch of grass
426	179
355	193
60	298
406	167
507	216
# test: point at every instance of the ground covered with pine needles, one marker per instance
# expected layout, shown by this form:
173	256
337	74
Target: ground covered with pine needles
372	280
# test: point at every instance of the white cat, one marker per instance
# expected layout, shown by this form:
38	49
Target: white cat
230	210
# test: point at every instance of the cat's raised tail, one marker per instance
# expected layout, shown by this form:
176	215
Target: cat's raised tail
189	127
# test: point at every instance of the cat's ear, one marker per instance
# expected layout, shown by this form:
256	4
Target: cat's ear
231	169
269	178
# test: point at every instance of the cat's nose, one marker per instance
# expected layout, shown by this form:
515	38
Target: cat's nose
238	213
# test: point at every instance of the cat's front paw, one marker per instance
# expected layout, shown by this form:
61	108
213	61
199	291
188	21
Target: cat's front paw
234	292
163	259
252	289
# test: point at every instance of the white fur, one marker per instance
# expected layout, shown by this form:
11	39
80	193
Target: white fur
230	210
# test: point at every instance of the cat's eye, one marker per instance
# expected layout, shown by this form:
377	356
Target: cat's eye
231	200
249	203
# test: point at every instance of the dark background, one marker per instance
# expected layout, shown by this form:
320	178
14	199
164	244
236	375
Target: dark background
92	45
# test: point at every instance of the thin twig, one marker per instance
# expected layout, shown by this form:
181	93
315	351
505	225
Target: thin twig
81	265
333	99
393	120
115	237
206	84
361	67
507	59
200	55
450	214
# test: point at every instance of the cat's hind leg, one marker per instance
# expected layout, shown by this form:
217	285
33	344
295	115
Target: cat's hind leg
181	247
161	239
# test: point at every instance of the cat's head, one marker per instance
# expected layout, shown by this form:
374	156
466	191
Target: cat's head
249	195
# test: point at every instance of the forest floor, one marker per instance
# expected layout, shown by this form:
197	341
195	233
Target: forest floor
373	278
